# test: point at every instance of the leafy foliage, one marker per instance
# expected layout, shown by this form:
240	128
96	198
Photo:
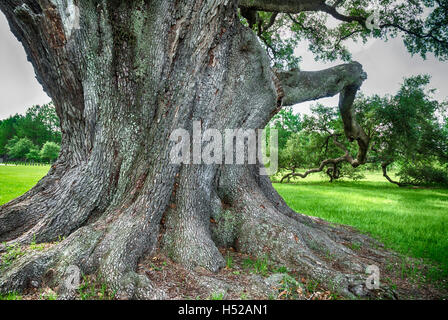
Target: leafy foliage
50	151
13	252
7	132
407	130
94	288
20	148
11	297
286	122
23	137
33	155
422	24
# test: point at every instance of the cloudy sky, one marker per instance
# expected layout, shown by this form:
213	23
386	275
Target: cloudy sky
386	64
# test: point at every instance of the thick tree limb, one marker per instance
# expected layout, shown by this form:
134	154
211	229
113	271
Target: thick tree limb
384	166
300	86
286	6
296	6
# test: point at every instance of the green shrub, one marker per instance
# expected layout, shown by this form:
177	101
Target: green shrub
258	266
20	148
33	155
50	151
423	174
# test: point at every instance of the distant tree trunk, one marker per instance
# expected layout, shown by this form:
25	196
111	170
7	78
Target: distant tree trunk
132	73
333	173
384	167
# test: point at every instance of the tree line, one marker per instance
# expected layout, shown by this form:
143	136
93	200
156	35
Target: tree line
34	137
408	131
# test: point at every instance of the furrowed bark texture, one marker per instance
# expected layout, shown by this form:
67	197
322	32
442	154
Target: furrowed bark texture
131	74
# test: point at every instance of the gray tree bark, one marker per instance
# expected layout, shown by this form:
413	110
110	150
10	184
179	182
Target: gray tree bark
132	73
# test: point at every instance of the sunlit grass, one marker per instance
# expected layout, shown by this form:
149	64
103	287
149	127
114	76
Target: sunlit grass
17	180
411	221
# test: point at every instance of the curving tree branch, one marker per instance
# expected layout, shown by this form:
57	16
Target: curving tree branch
334	162
301	86
384	166
346	79
298	6
286	6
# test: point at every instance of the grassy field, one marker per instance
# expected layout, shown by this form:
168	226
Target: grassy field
411	221
16	180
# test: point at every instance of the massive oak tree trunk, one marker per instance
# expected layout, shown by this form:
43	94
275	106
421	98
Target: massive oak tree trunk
131	74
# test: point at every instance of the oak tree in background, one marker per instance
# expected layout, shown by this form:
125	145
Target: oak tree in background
286	122
136	70
20	148
405	130
7	132
34	155
39	125
319	148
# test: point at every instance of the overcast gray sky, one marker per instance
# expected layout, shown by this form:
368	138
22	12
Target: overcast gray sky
386	63
19	88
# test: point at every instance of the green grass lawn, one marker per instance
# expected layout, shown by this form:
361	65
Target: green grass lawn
16	180
411	221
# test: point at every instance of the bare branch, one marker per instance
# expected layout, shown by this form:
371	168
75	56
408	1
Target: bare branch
333	162
286	6
429	34
335	14
384	166
301	86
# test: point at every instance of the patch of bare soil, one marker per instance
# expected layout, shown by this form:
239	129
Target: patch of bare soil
251	278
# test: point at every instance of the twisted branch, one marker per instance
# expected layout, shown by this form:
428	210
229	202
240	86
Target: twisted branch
300	86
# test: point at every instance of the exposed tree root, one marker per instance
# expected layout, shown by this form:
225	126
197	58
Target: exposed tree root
384	166
295	240
187	237
245	211
255	222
